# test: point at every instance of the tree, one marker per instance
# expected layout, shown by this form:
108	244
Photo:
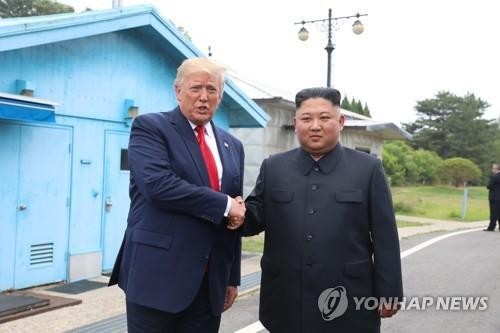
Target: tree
355	105
22	8
453	126
458	171
345	103
427	163
395	171
403	165
366	111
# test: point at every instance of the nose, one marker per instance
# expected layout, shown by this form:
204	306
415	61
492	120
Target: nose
203	95
315	124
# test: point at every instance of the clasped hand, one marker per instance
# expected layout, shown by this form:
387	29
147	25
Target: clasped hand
236	215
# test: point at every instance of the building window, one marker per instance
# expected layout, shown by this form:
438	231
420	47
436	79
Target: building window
124	160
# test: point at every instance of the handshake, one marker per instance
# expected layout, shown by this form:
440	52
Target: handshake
236	215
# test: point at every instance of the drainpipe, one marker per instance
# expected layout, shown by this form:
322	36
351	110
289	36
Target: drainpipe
116	4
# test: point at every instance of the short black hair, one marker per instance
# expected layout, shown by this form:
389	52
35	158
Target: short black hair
333	95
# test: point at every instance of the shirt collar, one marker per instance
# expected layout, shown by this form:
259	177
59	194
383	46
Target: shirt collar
325	164
208	128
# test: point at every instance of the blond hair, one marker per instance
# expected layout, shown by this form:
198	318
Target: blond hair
200	65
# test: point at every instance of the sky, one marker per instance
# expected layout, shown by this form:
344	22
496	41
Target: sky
409	50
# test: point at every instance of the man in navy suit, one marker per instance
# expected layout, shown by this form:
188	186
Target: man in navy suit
330	230
179	263
494	197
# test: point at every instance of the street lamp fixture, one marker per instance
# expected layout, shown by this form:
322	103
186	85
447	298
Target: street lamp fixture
357	28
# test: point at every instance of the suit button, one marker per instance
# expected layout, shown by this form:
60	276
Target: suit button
309	237
309	265
316	169
314	187
207	257
311	211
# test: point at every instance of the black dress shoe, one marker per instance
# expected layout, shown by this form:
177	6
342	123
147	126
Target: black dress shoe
488	229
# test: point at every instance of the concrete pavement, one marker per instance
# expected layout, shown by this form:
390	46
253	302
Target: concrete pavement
432	225
104	303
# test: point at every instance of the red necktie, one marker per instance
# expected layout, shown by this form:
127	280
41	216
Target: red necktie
213	175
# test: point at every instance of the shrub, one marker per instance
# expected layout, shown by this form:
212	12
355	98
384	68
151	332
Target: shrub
402	207
458	171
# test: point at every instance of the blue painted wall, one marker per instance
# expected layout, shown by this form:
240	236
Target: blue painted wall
90	77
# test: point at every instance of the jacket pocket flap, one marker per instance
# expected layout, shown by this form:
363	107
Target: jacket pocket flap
354	195
281	196
268	267
358	268
152	238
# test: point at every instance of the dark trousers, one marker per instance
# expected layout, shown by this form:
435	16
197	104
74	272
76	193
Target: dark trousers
197	318
494	214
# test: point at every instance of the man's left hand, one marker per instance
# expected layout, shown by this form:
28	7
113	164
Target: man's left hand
231	293
387	310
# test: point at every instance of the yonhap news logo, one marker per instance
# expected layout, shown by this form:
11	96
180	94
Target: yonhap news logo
416	303
332	303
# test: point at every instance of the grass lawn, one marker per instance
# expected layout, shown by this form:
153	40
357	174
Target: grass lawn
253	244
441	202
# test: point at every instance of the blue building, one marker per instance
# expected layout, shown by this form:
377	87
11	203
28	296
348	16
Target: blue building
70	85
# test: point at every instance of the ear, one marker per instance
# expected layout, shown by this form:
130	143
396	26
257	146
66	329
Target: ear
177	90
295	124
341	121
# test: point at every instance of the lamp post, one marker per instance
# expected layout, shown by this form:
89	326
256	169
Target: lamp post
303	35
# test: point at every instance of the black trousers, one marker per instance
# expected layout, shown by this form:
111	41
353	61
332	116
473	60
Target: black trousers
197	318
494	214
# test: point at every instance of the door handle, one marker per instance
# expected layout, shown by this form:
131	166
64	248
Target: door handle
22	207
108	203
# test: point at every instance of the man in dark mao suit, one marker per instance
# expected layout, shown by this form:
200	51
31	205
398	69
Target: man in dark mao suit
494	198
179	263
330	231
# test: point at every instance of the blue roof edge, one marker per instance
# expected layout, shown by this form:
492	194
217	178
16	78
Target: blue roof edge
28	25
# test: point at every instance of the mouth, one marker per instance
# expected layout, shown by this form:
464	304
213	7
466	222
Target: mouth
202	109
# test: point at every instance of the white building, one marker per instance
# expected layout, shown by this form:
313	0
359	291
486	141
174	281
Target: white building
360	132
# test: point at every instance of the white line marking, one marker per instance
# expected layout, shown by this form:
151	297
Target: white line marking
253	328
432	241
257	326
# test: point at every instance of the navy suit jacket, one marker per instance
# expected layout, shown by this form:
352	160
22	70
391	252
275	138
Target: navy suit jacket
494	187
176	223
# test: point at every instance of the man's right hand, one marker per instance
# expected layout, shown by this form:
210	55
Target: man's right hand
236	214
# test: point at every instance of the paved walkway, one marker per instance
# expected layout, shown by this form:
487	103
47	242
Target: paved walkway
104	303
432	225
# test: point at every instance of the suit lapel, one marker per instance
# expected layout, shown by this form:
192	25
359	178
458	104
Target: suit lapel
183	128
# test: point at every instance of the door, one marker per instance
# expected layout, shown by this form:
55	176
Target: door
116	199
42	205
9	169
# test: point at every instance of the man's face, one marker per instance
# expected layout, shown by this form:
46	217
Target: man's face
494	169
318	124
198	96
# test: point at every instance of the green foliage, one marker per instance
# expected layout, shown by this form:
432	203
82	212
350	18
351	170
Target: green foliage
355	106
366	111
403	165
452	126
401	207
458	171
426	164
22	8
